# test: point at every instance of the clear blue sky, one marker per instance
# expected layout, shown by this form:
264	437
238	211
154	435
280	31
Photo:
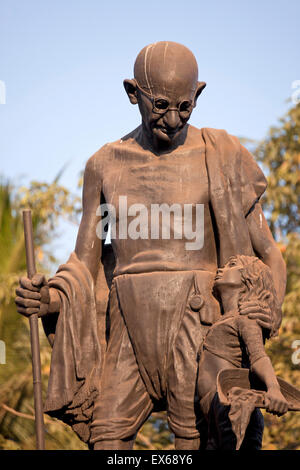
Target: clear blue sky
63	63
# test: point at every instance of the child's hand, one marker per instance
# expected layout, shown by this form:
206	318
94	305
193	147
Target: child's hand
275	402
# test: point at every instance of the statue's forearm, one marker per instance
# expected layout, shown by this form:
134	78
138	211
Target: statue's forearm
274	260
266	249
264	370
54	304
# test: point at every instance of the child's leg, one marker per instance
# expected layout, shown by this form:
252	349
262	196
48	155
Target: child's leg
220	434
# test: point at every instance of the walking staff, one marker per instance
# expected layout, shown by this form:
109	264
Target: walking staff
34	337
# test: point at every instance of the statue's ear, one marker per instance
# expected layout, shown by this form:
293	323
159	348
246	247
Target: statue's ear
130	88
200	88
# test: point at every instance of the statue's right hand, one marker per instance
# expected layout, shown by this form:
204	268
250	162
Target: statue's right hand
32	296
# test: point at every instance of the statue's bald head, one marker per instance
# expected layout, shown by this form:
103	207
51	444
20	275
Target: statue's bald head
166	88
166	66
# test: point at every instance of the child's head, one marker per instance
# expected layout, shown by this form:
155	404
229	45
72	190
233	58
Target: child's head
255	281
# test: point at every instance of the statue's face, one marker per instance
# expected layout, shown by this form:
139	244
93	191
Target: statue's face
230	275
166	88
166	110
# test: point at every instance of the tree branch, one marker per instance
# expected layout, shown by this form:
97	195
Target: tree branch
17	413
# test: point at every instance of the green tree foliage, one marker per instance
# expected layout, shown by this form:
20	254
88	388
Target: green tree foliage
279	154
155	434
48	202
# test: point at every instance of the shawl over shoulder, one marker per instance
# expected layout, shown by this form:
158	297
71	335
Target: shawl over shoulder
236	183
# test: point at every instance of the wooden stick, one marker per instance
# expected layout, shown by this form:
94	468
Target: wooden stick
34	337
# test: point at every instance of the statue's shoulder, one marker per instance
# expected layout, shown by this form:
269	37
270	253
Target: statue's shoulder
97	161
123	144
127	140
132	137
219	136
105	153
108	153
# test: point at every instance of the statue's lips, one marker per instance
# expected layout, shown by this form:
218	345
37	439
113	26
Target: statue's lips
167	131
218	276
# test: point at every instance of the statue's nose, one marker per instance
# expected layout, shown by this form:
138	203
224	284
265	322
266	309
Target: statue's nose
171	119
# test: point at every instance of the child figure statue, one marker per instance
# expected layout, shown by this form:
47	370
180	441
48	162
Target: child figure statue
236	341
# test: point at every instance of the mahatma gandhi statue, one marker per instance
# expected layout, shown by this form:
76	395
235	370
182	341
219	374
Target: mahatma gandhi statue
127	320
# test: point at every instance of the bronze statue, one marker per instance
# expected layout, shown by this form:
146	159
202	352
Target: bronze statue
127	321
236	341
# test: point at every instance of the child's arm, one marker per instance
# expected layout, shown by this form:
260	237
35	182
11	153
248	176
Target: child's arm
275	401
261	365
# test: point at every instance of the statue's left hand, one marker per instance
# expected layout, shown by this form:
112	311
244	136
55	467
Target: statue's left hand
259	312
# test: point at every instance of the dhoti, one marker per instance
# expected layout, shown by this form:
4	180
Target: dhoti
156	326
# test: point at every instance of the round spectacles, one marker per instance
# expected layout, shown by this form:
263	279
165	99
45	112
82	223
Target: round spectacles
162	106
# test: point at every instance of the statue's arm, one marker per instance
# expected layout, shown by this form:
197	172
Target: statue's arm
261	365
88	245
34	295
266	249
